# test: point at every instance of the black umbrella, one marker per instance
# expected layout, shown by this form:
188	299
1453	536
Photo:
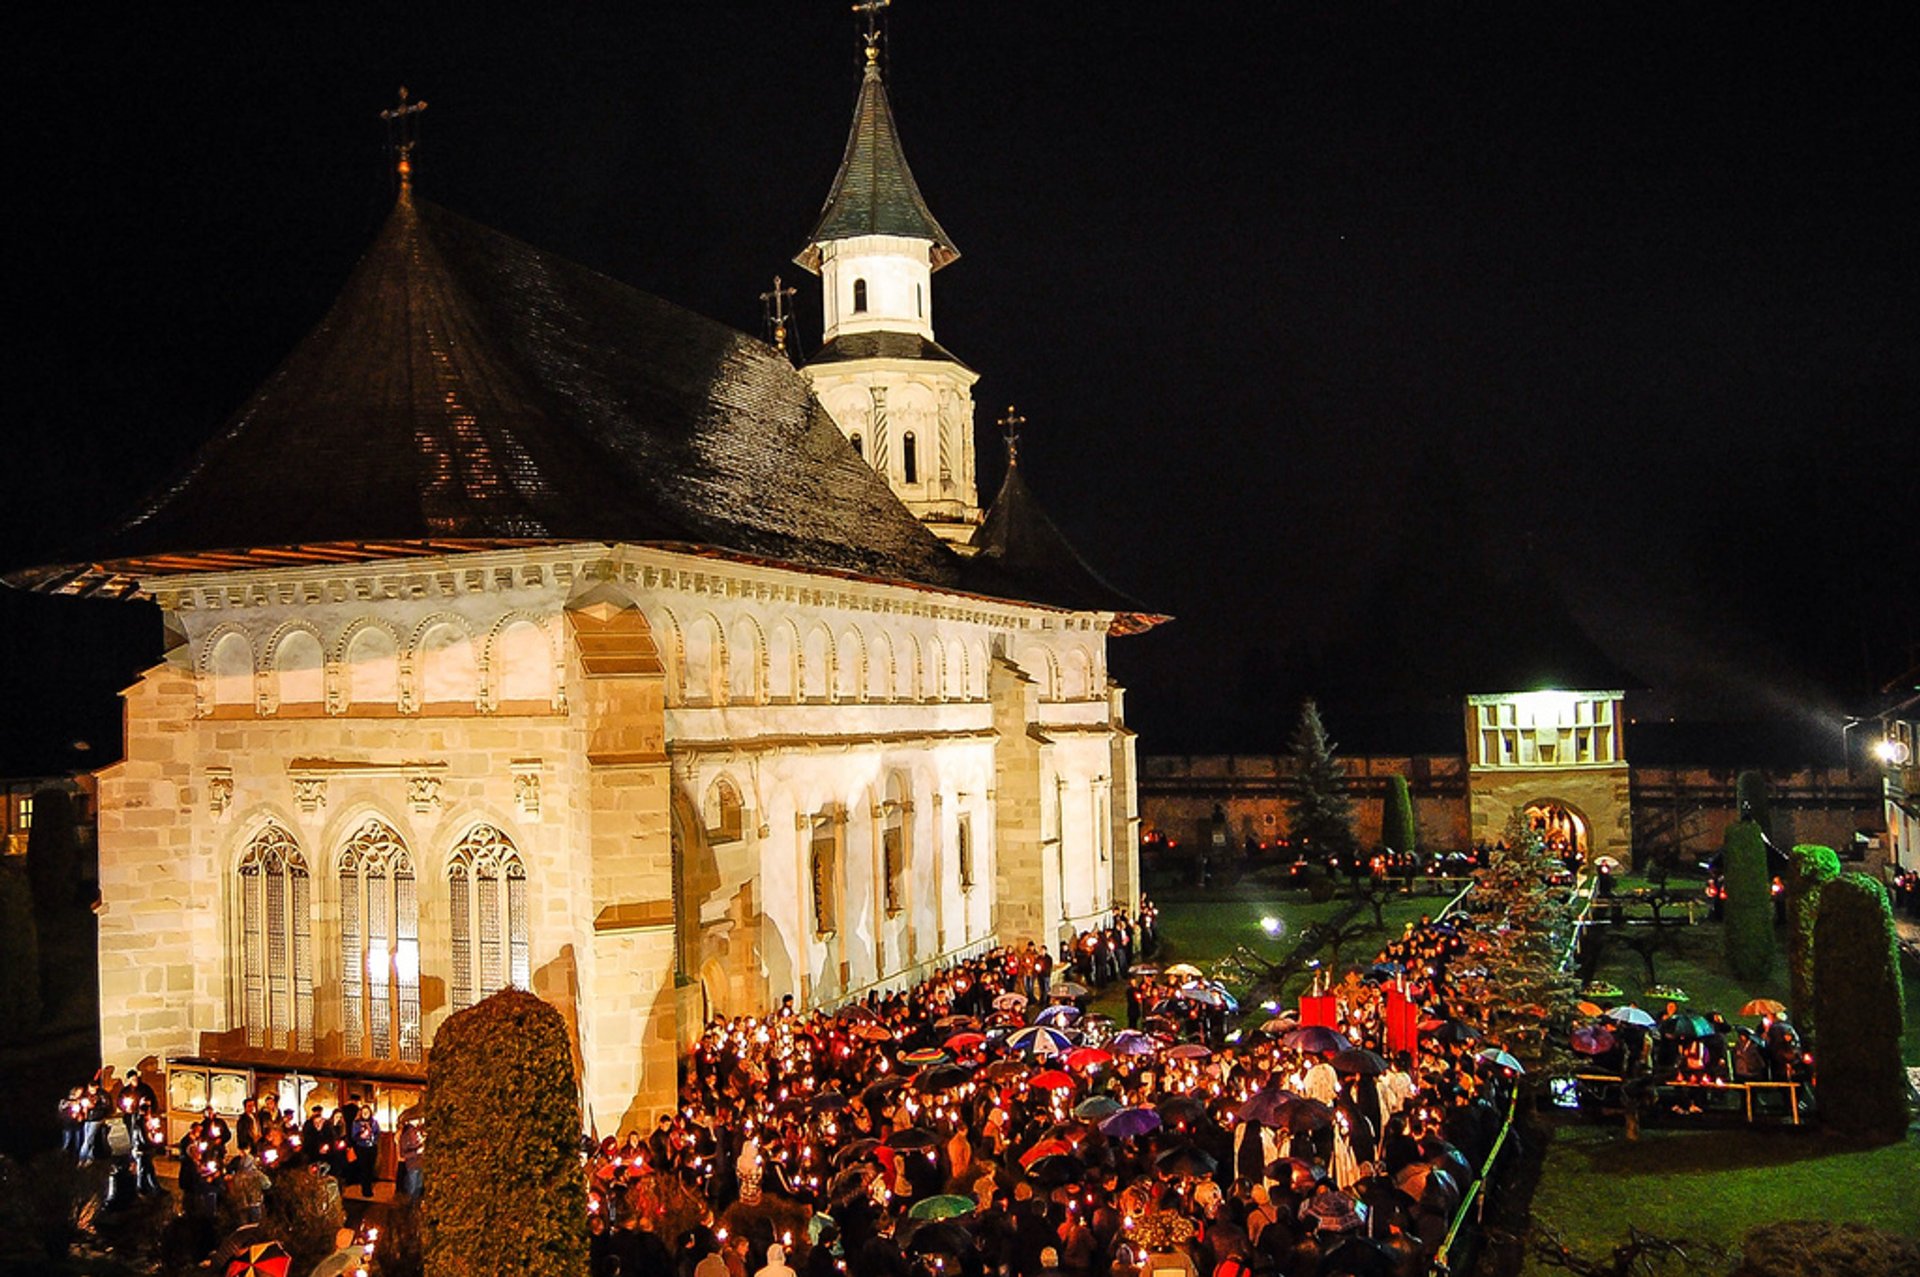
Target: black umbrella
875	1097
1357	1059
855	1151
829	1102
912	1137
1054	1170
1303	1115
941	1077
1180	1108
940	1237
1190	1163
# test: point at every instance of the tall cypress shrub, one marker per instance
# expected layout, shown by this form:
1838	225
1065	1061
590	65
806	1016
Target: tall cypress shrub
1857	996
1749	932
1750	793
1396	821
505	1192
1809	868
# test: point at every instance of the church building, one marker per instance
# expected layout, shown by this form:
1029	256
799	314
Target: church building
602	653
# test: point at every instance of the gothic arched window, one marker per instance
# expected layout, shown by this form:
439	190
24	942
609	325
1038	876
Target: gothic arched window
379	946
276	943
909	458
859	295
487	889
859	446
824	873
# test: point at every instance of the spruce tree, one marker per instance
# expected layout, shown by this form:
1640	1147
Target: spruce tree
1321	816
505	1191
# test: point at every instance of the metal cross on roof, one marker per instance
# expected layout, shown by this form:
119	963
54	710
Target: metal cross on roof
401	130
875	28
774	302
1010	427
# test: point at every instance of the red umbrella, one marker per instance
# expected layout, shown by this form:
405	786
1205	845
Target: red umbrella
965	1041
1051	1080
1085	1057
1188	1051
1046	1148
268	1259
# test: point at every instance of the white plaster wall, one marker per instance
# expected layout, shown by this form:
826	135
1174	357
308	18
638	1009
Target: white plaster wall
893	268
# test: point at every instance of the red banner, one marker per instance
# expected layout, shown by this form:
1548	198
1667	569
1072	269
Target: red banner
1403	1021
1322	1009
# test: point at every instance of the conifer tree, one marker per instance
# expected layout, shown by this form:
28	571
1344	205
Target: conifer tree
1749	932
1397	832
1321	815
1512	987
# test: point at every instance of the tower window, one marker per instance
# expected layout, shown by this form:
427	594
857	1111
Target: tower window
919	303
909	458
859	446
859	296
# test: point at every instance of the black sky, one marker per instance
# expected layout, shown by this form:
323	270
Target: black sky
1609	303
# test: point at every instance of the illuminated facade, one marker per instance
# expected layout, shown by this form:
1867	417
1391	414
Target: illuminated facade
1560	758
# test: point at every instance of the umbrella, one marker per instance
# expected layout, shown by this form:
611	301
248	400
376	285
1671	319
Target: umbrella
1631	1015
939	1237
1189	1163
1315	1039
1607	863
1050	1080
855	1011
1055	1169
1204	994
1039	1039
1063	1011
1180	1108
1686	1024
1592	1039
1429	1185
1095	1107
867	1031
855	1151
1086	1057
912	1137
1301	1115
1299	1174
1265	1107
1046	1148
923	1057
1143	969
1069	990
1006	1019
1010	1002
1357	1059
829	1102
945	1206
1159	1024
265	1259
1493	1055
1132	1042
1588	1008
1279	1024
1188	1051
1384	971
942	1077
1185	970
966	1041
1004	1070
956	1022
1763	1006
1127	1123
1452	1031
1335	1211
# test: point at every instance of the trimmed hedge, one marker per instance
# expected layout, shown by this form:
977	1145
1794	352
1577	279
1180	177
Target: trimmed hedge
1857	995
1809	868
505	1192
1749	902
1396	820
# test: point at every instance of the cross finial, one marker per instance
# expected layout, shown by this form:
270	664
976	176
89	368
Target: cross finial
402	129
876	30
774	302
1010	427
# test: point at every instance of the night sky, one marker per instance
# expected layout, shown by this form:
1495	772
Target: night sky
1342	332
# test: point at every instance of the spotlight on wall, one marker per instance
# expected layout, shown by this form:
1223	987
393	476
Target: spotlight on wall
1894	753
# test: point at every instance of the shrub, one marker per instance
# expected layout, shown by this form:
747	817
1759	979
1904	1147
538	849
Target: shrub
304	1213
19	957
1857	995
396	1253
1820	1248
1396	821
1809	869
1749	931
504	1187
47	1204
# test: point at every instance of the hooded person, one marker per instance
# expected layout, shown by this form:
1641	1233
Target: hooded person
776	1265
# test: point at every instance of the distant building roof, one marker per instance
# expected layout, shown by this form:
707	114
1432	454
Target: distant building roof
874	192
1019	541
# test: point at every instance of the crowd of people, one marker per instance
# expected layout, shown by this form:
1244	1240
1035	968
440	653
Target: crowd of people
985	1121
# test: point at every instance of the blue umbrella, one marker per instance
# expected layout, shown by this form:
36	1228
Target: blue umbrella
1059	1015
1132	1042
1631	1015
1039	1039
1095	1107
1268	1108
1128	1123
1315	1039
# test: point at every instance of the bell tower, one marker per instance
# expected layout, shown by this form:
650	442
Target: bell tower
902	400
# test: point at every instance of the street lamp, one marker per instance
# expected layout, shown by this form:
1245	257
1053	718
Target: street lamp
1892	752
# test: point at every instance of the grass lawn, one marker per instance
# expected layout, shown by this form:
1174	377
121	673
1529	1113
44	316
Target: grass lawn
1712	1186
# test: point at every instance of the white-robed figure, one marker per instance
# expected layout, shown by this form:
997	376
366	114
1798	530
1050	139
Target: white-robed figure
1266	1145
1346	1167
748	1167
1321	1083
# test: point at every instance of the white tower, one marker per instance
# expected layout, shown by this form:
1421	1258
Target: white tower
903	401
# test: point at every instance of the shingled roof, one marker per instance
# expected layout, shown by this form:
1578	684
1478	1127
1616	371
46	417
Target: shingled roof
1018	542
874	192
882	345
469	391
